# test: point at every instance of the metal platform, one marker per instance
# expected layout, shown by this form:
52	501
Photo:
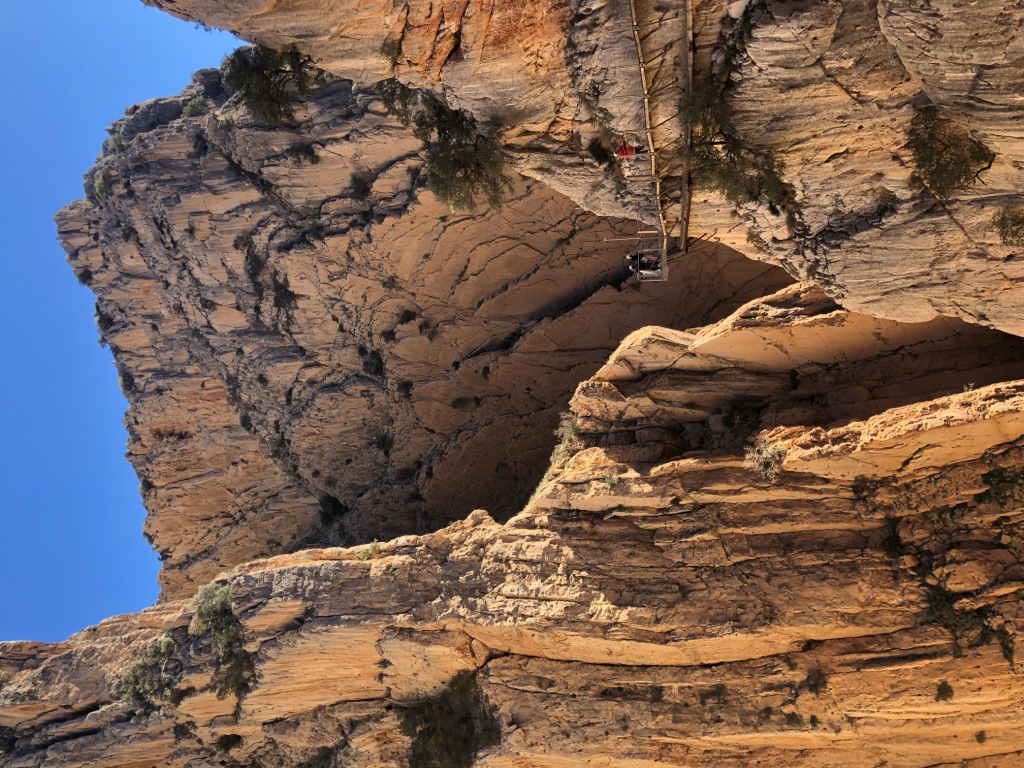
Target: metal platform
650	257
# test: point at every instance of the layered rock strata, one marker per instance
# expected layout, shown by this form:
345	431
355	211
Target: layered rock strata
830	86
314	350
844	593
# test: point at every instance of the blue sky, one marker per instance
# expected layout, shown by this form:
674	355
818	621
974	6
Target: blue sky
71	545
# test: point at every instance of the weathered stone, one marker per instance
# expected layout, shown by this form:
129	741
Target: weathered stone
829	86
657	603
283	341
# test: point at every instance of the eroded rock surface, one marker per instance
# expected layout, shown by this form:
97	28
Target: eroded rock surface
830	86
783	533
663	599
312	346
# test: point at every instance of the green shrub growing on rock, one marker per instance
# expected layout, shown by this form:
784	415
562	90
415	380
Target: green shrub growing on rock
723	161
195	107
213	615
1010	225
146	681
262	76
462	163
945	155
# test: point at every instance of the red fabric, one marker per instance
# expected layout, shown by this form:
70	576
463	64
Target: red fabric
624	150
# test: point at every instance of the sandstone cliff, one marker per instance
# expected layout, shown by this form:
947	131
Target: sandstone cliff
315	350
848	596
831	86
774	530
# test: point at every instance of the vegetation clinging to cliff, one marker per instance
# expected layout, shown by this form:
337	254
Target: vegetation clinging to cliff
462	164
721	160
1010	225
765	459
214	615
944	152
261	76
146	680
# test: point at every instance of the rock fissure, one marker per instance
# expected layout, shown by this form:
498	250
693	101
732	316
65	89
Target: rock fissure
788	535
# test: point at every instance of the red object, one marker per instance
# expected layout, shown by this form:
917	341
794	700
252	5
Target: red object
624	150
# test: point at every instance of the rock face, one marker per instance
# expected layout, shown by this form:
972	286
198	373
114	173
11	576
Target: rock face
315	350
775	531
830	86
847	594
839	81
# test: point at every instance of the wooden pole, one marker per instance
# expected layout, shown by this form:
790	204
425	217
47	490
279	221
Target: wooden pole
684	192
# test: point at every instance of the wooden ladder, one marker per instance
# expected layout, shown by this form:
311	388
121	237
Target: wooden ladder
668	155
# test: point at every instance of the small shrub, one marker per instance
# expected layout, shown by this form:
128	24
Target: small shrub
315	232
721	160
371	551
163	649
567	434
943	611
892	544
462	163
599	152
214	615
114	144
383	442
765	459
814	721
944	691
284	296
145	681
387	335
407	316
228	741
611	481
373	363
304	153
1004	487
945	155
390	50
1010	225
361	187
981	737
460	168
816	681
226	123
449	730
137	685
262	76
404	389
331	511
195	107
101	186
793	720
